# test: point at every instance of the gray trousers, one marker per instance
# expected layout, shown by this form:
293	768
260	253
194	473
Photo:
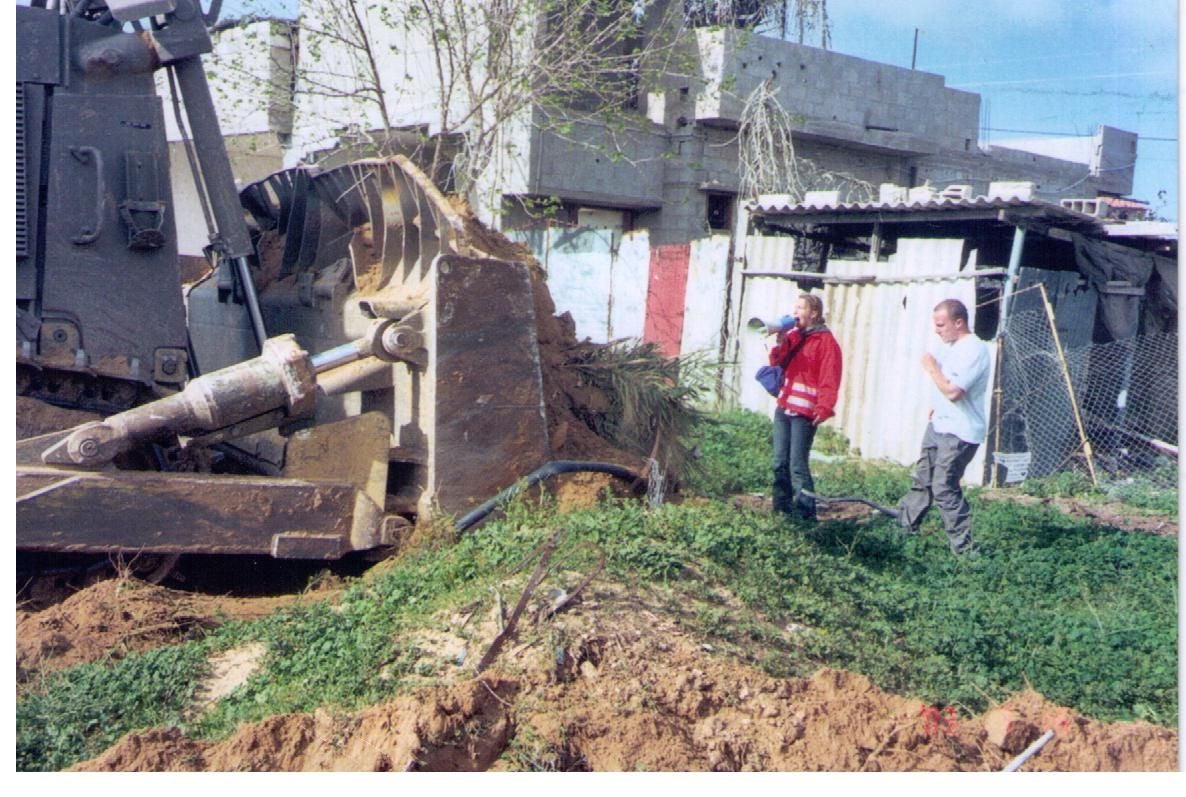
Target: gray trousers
936	476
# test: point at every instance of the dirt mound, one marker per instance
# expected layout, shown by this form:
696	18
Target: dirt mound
462	728
118	616
614	684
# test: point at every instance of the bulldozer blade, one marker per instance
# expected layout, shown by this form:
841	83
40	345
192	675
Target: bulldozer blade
472	421
353	449
68	511
490	426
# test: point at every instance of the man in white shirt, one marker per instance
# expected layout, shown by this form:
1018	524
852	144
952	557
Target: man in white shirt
958	368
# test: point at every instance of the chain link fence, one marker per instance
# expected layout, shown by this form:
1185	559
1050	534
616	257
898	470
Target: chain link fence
1108	411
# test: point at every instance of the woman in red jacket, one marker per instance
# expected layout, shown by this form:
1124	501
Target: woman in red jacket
811	358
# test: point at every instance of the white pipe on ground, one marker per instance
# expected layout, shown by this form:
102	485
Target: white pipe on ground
1029	752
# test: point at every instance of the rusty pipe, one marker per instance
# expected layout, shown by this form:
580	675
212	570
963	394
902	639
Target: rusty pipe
369	373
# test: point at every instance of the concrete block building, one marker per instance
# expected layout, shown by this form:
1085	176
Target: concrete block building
643	236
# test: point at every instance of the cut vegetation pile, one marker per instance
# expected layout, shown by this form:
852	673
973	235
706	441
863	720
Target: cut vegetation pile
702	634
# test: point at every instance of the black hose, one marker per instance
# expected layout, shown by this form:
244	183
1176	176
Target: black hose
852	499
545	471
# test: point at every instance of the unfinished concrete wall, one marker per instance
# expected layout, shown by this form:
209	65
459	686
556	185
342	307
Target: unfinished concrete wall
334	98
250	74
253	156
1053	179
597	274
831	94
599	166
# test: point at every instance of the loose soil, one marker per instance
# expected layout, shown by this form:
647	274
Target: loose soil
612	683
118	616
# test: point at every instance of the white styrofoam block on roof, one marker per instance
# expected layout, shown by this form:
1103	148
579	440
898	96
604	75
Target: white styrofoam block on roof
775	200
821	198
1010	190
891	194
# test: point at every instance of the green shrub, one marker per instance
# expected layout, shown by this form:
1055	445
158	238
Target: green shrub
1148	491
1067	484
734	453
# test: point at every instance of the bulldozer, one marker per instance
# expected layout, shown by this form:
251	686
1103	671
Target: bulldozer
353	361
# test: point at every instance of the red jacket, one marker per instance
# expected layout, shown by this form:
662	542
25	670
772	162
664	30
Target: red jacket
812	380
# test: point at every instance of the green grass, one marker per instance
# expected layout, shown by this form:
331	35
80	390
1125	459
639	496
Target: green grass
734	455
87	708
1083	613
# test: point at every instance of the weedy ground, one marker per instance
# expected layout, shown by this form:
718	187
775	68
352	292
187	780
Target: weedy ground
1083	613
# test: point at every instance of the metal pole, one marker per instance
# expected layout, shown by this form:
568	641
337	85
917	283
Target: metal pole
233	239
1011	277
914	55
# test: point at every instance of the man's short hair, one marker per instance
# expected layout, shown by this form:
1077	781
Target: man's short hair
955	309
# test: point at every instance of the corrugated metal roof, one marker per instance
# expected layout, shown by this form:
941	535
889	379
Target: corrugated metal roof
778	206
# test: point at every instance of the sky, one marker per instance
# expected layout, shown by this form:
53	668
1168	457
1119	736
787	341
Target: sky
1042	67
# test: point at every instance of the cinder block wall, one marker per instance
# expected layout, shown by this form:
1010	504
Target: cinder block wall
872	100
1053	179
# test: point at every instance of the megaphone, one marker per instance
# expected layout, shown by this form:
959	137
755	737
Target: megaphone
756	324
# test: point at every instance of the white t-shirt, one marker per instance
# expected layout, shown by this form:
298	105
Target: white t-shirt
965	364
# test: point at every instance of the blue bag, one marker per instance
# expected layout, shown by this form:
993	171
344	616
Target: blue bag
770	377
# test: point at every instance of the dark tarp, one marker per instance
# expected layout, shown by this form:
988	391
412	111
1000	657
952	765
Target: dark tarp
1103	262
1163	298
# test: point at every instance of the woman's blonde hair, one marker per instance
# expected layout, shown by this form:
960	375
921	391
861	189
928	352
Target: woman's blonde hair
815	303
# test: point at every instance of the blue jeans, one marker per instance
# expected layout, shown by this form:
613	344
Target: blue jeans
793	436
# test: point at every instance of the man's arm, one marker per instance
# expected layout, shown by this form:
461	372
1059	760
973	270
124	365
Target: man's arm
949	389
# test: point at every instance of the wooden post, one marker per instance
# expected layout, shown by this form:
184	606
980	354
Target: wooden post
1070	387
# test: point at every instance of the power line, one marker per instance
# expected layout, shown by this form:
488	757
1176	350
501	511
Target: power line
1162	96
1067	135
1062	77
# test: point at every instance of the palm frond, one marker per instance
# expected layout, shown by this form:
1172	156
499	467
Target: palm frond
649	404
